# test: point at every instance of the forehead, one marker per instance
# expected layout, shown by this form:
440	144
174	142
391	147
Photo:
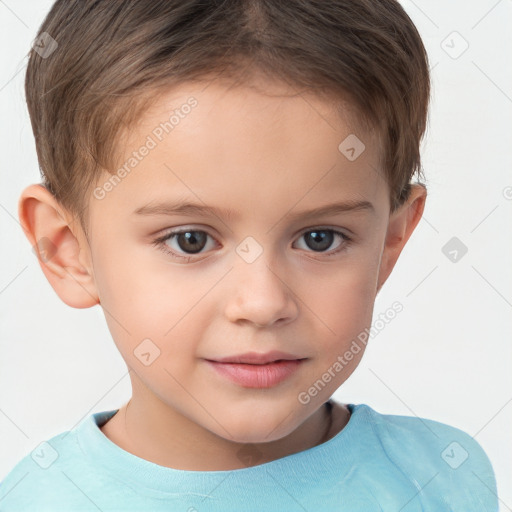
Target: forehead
246	146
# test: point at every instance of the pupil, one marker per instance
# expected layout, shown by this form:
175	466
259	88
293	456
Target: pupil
323	238
192	241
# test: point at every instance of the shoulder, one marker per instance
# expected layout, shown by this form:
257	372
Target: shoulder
447	458
51	465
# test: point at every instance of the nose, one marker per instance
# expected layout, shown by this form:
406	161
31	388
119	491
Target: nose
260	295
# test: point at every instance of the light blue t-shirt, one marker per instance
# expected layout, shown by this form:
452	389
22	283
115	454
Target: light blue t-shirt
376	463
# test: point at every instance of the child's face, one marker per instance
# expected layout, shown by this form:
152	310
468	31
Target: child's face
261	280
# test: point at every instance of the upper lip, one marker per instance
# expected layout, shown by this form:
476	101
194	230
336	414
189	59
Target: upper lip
256	358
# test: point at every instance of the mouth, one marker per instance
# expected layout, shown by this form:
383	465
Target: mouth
257	358
253	370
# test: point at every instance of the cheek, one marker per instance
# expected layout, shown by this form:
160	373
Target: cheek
140	289
343	308
342	304
136	302
344	299
154	311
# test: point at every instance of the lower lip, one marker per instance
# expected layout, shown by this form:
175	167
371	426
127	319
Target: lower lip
257	375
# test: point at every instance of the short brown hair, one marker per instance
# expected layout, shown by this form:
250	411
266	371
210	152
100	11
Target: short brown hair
113	55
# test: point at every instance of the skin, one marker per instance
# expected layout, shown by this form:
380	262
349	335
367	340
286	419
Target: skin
267	154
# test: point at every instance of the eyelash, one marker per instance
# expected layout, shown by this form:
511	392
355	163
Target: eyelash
160	242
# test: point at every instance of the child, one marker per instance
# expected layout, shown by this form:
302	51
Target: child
254	130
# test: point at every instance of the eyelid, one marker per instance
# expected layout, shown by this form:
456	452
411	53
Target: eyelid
344	231
185	227
179	229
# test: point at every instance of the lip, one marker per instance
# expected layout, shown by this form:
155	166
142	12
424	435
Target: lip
253	370
256	358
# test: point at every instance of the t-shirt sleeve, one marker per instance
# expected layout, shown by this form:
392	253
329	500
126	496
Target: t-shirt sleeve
442	461
42	476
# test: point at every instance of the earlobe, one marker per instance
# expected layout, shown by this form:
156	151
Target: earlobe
402	223
63	253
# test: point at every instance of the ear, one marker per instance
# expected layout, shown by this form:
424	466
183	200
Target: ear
402	223
61	246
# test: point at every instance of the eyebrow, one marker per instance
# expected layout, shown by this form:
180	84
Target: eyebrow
194	209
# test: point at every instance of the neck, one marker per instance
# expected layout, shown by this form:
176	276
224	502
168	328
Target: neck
145	432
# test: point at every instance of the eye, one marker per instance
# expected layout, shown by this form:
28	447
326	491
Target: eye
184	243
320	239
190	241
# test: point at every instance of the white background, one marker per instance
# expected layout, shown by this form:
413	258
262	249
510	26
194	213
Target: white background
447	356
